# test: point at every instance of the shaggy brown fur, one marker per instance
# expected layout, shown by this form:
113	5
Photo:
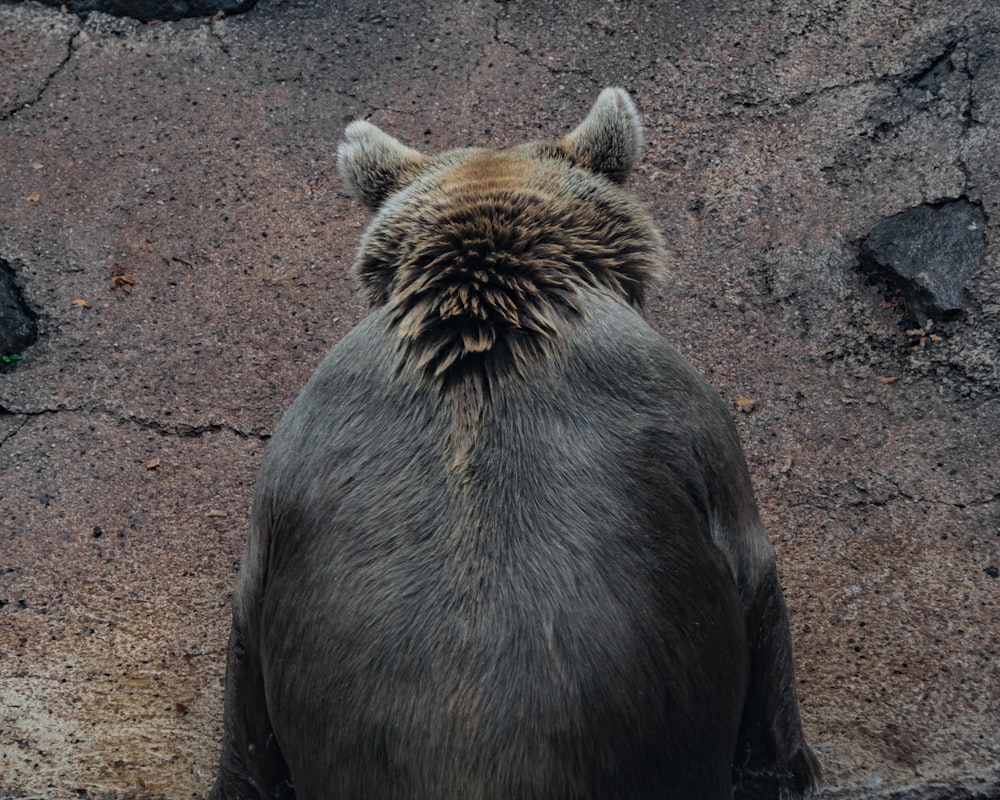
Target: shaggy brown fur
482	263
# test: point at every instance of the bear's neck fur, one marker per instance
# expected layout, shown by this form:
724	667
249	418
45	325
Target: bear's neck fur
485	268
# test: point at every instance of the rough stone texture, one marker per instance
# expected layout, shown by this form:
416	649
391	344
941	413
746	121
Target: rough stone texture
180	180
925	255
149	10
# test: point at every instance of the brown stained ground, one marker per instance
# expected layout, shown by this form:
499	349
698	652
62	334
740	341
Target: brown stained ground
196	159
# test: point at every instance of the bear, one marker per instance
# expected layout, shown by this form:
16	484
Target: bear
504	542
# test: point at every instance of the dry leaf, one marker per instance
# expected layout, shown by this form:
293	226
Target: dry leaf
181	703
37	165
81	303
216	513
34	198
746	404
123	282
887	381
153	464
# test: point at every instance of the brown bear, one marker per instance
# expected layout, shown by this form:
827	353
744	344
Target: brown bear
504	543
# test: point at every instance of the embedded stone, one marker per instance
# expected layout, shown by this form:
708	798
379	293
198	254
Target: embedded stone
928	253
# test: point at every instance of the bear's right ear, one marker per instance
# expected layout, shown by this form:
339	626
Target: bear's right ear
374	164
609	140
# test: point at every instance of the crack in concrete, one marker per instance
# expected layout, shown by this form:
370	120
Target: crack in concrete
526	52
494	38
968	122
11	434
187	430
48	79
947	503
838	500
181	430
501	14
979	502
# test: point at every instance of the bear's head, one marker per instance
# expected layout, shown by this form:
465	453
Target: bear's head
487	256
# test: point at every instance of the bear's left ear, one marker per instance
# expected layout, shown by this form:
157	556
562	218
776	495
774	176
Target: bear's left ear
610	139
374	164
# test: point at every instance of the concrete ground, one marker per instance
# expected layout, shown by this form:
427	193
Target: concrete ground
170	209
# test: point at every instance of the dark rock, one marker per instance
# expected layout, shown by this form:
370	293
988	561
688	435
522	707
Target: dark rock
928	253
17	324
147	10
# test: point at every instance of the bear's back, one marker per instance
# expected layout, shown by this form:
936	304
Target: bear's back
491	589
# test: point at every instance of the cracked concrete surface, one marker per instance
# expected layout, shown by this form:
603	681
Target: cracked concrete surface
34	56
196	160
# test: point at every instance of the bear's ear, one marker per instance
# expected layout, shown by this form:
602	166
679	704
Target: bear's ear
610	139
374	164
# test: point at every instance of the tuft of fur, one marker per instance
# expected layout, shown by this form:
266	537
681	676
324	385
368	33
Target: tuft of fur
610	139
374	164
482	255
